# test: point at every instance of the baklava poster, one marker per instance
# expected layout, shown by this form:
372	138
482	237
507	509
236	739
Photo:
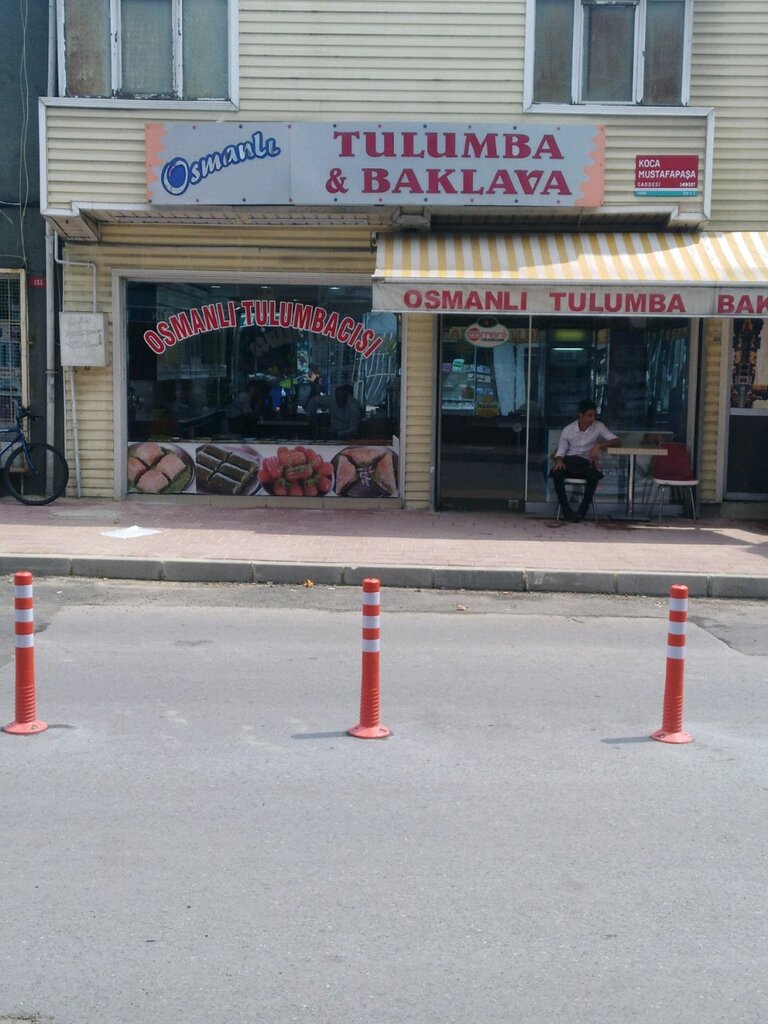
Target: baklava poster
276	470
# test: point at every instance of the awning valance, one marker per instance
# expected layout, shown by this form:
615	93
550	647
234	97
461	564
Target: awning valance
595	274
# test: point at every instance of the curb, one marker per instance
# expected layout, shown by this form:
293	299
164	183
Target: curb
640	584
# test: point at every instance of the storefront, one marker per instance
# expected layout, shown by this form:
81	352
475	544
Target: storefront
231	386
509	385
459	352
527	326
269	390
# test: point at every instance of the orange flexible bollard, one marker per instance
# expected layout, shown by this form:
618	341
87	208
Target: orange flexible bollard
671	730
26	713
370	728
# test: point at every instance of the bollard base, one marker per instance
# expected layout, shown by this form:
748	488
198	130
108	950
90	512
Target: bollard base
370	732
25	728
671	737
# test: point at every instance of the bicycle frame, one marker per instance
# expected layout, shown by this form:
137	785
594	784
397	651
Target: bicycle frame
19	439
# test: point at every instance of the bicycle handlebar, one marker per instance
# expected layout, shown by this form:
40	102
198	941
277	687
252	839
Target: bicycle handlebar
24	412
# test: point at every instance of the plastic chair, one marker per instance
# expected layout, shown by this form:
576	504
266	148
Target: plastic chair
671	472
576	481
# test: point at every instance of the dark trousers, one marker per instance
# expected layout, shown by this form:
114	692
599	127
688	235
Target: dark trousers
579	469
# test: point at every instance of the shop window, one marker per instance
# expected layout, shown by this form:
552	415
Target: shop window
611	51
224	380
10	347
635	369
148	49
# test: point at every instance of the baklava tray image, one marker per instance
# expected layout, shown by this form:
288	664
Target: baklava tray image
155	468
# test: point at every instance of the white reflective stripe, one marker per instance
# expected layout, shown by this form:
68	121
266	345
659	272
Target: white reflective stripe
677	628
24	640
371	646
678	604
676	653
24	614
374	598
371	621
22	591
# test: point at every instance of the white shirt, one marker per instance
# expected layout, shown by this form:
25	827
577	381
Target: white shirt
580	442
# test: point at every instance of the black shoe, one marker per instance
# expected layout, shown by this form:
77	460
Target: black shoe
582	513
569	514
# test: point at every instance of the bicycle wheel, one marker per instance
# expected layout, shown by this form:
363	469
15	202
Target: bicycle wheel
37	475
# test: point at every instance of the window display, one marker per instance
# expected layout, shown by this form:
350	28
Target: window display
508	387
284	390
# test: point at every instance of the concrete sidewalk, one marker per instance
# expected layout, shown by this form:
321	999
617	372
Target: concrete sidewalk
166	540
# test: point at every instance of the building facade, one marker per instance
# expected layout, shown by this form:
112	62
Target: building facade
377	253
28	372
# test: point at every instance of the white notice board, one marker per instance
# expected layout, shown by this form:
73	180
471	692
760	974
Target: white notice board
83	338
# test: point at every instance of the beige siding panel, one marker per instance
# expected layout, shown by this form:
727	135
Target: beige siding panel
420	405
626	138
97	158
289	251
729	73
95	431
387	60
406	59
710	403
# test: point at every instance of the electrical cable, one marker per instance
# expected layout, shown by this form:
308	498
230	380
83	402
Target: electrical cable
24	93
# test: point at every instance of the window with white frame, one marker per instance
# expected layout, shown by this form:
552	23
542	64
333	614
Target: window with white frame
145	49
10	346
612	51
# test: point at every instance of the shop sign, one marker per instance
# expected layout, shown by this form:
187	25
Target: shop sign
666	175
298	316
367	163
486	332
573	300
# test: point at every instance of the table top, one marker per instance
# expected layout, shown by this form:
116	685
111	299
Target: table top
649	450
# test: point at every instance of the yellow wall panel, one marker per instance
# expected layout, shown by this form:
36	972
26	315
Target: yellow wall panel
420	404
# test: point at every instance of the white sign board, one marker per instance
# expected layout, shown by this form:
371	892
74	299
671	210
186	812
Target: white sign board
83	339
570	299
374	164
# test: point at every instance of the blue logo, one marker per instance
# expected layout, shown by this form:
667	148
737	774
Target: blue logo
179	174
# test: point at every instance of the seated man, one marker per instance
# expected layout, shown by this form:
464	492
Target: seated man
242	414
578	451
345	412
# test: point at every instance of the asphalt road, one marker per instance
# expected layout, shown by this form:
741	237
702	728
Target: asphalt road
740	624
196	838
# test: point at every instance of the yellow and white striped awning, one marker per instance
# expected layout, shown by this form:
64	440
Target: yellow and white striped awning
654	273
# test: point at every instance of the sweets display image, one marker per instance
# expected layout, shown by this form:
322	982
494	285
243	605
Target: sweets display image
226	470
366	473
159	468
296	472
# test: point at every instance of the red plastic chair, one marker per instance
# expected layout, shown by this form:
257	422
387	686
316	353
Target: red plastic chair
671	472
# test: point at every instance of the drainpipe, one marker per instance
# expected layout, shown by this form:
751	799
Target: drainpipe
73	369
51	259
50	296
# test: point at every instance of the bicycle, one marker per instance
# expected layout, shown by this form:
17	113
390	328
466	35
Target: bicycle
34	474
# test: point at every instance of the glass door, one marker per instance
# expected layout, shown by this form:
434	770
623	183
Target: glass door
747	471
483	371
508	387
636	370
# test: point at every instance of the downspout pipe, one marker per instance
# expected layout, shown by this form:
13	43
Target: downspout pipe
73	369
50	268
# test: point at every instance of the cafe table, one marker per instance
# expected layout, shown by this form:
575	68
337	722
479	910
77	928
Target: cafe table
631	454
